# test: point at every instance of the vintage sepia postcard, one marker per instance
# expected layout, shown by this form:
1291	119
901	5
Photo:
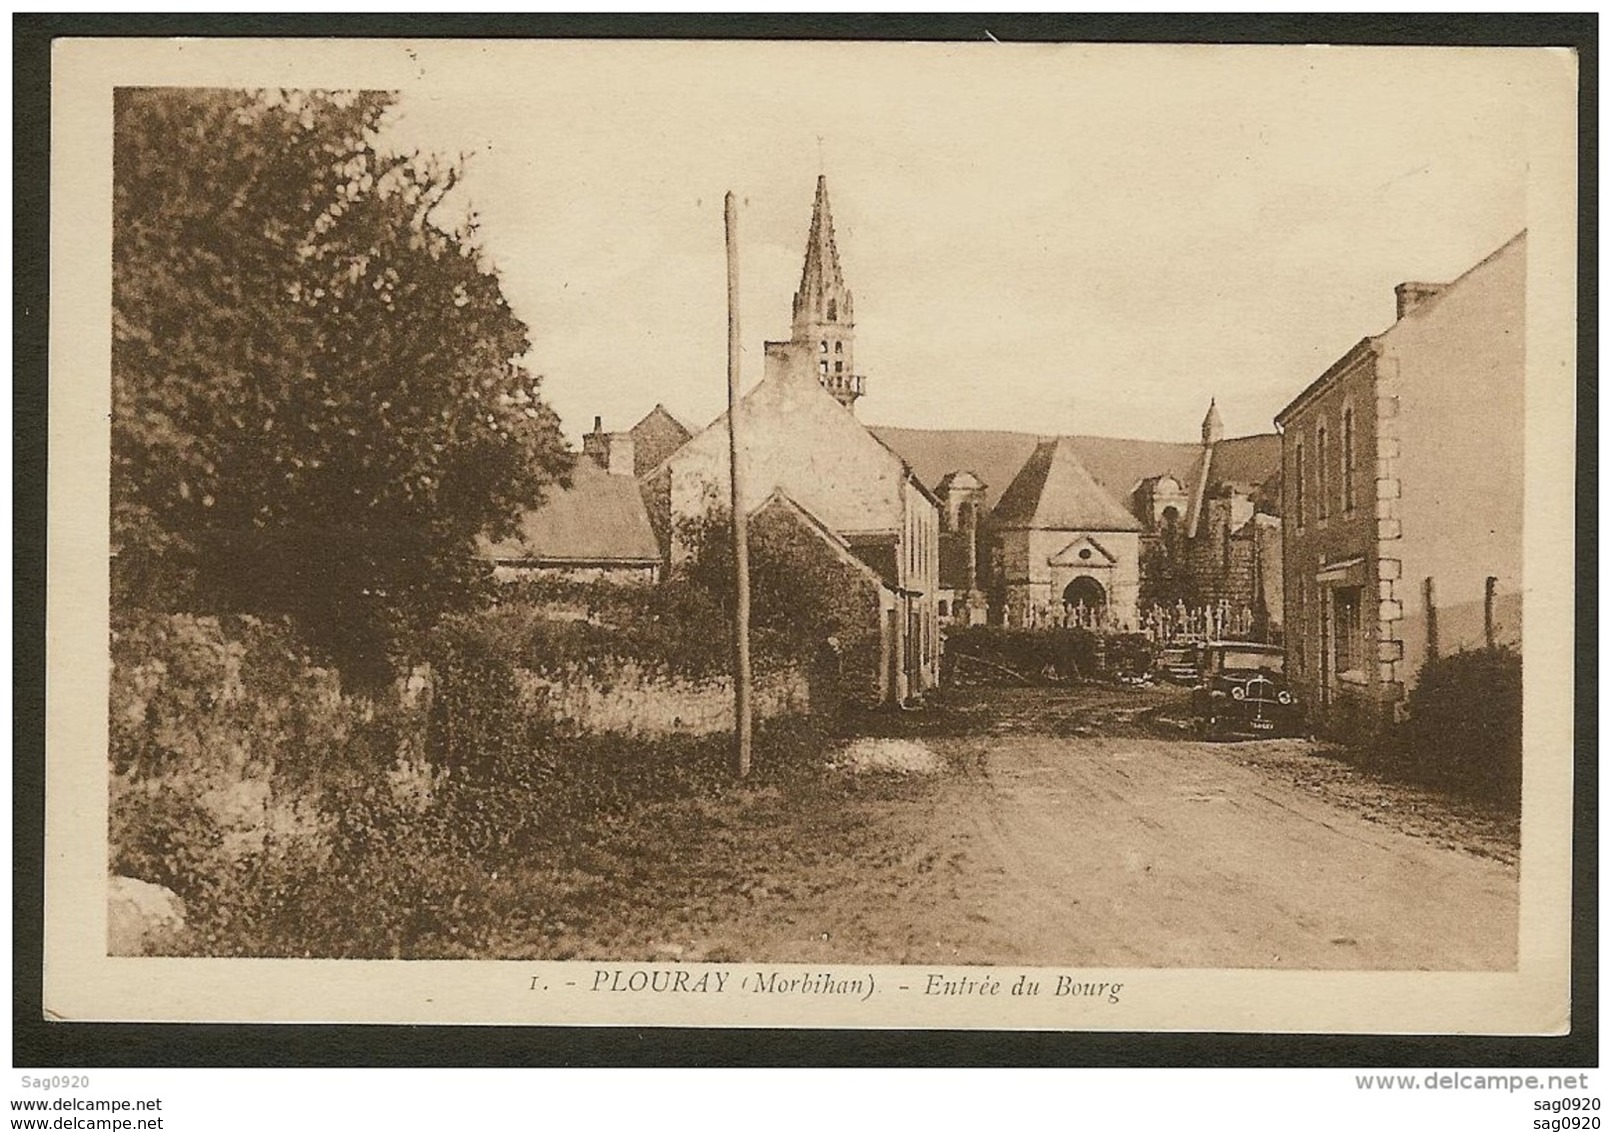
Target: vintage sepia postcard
989	535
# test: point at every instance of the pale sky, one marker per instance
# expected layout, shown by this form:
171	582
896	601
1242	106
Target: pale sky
1052	239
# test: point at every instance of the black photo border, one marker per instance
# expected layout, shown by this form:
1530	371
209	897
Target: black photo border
41	1043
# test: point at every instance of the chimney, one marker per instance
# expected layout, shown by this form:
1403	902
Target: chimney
594	444
619	451
612	451
1412	295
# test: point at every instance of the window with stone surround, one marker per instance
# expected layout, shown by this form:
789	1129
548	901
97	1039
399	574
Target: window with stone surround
1348	633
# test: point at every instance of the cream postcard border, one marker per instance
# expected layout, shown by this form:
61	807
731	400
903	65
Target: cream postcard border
83	983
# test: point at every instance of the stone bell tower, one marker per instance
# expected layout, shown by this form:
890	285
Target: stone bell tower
823	339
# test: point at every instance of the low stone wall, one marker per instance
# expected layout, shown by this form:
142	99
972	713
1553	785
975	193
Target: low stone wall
628	699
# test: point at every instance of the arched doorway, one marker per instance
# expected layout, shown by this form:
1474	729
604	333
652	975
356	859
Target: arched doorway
1086	591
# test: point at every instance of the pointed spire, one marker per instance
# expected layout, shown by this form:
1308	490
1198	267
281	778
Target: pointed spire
822	296
823	339
1213	427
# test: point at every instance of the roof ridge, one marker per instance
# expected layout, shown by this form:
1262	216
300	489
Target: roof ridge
1054	490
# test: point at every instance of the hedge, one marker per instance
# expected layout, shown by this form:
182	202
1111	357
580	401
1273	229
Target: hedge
1033	654
1465	723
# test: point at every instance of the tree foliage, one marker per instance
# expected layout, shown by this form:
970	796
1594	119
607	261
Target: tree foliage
316	399
1165	579
803	597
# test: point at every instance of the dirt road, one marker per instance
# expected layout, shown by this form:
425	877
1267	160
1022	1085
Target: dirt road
1069	833
1138	852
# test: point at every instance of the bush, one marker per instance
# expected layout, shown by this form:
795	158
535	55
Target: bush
294	820
1129	655
227	698
224	739
409	882
387	883
163	835
802	595
1034	654
555	627
1465	725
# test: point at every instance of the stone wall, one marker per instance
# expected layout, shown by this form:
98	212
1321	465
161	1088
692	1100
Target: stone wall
628	699
1225	561
624	574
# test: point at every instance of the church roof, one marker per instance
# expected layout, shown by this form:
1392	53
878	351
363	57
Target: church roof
1054	491
1116	464
599	518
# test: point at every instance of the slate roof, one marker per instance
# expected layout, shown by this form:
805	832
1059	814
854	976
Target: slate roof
1055	491
1116	464
994	457
599	519
1246	460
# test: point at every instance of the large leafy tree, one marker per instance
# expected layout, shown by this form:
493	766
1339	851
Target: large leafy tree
316	398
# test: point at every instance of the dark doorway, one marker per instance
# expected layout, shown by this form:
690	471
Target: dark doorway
1085	591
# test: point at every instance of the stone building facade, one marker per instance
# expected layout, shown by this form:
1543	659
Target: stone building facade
655	437
800	441
1175	526
1402	467
965	551
970	527
1065	543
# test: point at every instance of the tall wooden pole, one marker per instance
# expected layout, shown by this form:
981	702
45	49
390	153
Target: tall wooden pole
741	550
1489	632
1429	593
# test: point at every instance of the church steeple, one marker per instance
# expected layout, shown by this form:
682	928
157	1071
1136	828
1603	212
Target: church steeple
823	296
824	331
1213	427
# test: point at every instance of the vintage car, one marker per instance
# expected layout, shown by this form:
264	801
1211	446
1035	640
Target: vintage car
1176	664
1242	690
